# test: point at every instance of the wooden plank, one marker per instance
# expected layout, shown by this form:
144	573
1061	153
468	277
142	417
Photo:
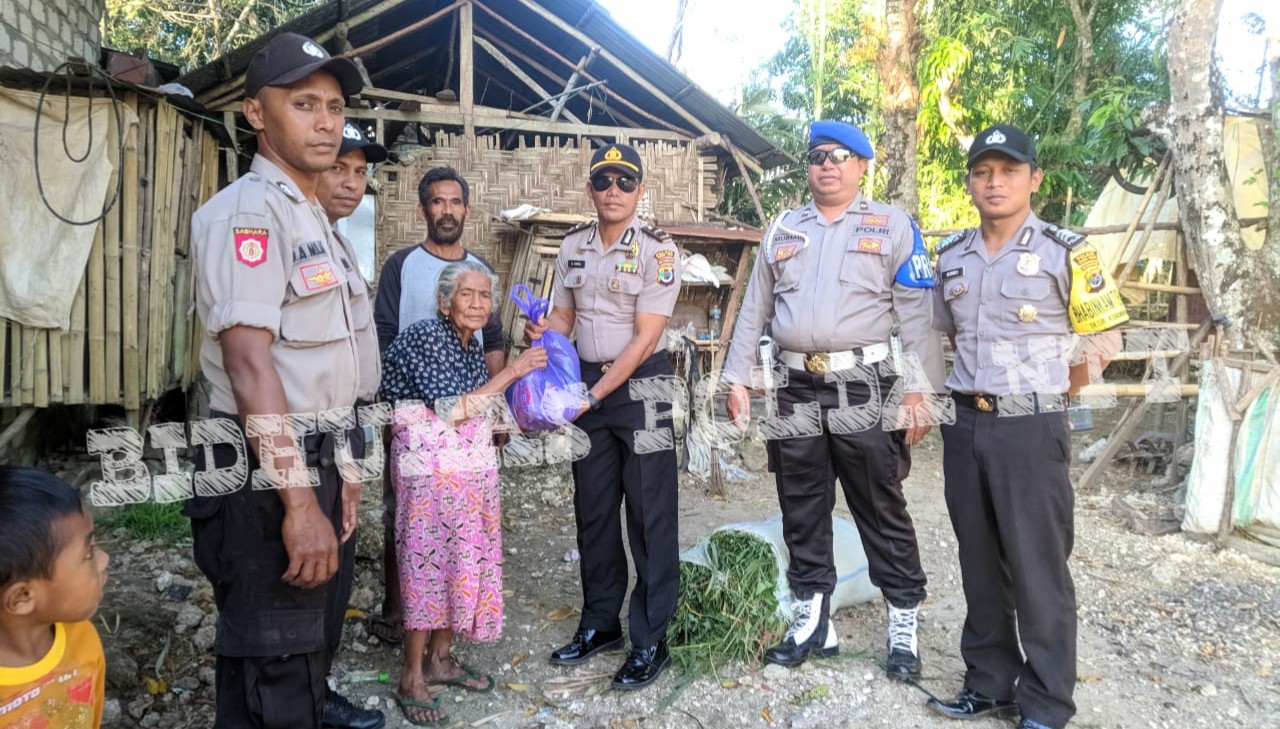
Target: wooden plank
28	365
111	255
96	298
56	391
146	207
398	34
730	314
129	248
4	360
525	78
1161	288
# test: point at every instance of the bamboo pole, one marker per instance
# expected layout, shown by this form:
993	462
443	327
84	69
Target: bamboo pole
4	360
28	365
1131	389
75	353
1157	182
397	35
97	321
111	262
467	70
129	247
1161	288
15	364
573	79
56	388
518	72
146	215
40	362
1146	233
162	247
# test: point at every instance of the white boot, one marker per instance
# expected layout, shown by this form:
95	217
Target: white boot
904	646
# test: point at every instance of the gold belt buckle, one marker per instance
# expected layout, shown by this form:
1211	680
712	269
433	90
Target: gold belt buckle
984	403
819	363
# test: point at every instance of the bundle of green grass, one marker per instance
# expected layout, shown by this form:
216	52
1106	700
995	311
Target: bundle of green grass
727	611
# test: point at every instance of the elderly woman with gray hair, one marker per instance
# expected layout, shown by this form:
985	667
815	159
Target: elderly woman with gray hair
445	471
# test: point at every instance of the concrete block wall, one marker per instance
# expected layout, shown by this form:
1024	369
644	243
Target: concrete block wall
40	34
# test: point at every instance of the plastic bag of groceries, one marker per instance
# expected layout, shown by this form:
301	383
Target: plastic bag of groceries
548	398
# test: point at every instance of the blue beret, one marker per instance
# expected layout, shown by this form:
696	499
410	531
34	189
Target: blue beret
842	133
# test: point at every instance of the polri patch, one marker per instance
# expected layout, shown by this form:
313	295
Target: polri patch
951	273
876	220
251	245
870	245
577	263
666	260
318	276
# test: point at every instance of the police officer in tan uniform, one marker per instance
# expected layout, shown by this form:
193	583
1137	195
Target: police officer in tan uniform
340	191
843	284
617	281
278	312
1010	293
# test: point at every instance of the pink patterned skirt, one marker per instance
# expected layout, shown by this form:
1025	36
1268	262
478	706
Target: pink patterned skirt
448	527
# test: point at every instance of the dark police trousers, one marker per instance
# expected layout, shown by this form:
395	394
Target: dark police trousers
871	465
649	483
275	642
1009	493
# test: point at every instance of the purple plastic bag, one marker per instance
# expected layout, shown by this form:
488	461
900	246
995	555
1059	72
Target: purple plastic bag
546	399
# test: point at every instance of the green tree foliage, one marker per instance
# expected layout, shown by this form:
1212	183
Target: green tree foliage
190	33
999	61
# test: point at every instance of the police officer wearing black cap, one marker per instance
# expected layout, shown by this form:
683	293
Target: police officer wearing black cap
617	281
279	337
843	283
1010	294
340	191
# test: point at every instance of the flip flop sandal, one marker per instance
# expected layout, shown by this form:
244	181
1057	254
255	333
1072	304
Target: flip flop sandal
434	705
384	631
468	674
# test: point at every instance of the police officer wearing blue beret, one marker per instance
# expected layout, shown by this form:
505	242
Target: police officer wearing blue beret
1010	294
844	285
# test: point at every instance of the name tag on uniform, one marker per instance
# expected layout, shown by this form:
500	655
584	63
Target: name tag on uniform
577	263
310	249
872	230
951	273
870	245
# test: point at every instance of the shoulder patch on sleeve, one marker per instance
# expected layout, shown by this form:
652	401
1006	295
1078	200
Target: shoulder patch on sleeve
1068	239
954	239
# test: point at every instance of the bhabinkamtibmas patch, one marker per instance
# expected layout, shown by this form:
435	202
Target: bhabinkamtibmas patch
1095	303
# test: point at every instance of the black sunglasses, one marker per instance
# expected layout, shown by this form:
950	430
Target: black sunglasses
819	157
626	183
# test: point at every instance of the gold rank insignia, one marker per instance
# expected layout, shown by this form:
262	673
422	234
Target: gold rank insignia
1027	313
1028	264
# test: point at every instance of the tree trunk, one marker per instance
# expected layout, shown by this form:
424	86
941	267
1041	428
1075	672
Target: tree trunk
1237	282
1271	145
897	67
1084	65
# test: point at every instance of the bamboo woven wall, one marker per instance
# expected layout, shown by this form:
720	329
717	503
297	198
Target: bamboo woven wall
550	174
131	332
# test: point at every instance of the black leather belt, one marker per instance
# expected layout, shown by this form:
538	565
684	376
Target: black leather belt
991	403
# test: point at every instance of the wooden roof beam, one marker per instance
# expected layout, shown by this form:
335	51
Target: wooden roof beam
518	72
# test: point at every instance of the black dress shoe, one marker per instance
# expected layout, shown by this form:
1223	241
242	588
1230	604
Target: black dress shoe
339	713
586	643
970	704
642	667
1029	724
903	665
811	633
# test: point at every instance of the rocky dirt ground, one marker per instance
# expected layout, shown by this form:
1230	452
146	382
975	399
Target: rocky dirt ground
1173	633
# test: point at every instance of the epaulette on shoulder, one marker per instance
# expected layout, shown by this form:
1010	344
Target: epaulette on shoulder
656	232
580	226
954	239
1068	239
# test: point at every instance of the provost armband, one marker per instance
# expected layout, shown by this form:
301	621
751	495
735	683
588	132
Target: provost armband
1095	304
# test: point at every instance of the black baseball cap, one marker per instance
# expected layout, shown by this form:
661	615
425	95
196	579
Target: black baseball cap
289	58
353	139
1003	138
620	157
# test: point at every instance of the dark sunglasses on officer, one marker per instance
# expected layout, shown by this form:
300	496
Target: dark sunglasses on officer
839	155
602	182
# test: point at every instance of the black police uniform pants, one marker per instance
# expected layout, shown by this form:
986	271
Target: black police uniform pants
871	465
274	643
1009	493
611	472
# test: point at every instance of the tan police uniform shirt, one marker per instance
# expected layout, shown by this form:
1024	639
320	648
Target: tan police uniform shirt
639	274
828	286
367	357
266	257
1008	312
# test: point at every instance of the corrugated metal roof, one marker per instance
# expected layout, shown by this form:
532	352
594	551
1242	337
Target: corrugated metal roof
395	67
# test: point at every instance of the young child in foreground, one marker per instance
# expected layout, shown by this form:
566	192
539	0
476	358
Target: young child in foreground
52	669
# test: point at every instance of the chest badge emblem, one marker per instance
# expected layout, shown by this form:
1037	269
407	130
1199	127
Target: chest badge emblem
1028	264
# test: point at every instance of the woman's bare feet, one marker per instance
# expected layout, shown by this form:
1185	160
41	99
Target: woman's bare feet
417	703
447	670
